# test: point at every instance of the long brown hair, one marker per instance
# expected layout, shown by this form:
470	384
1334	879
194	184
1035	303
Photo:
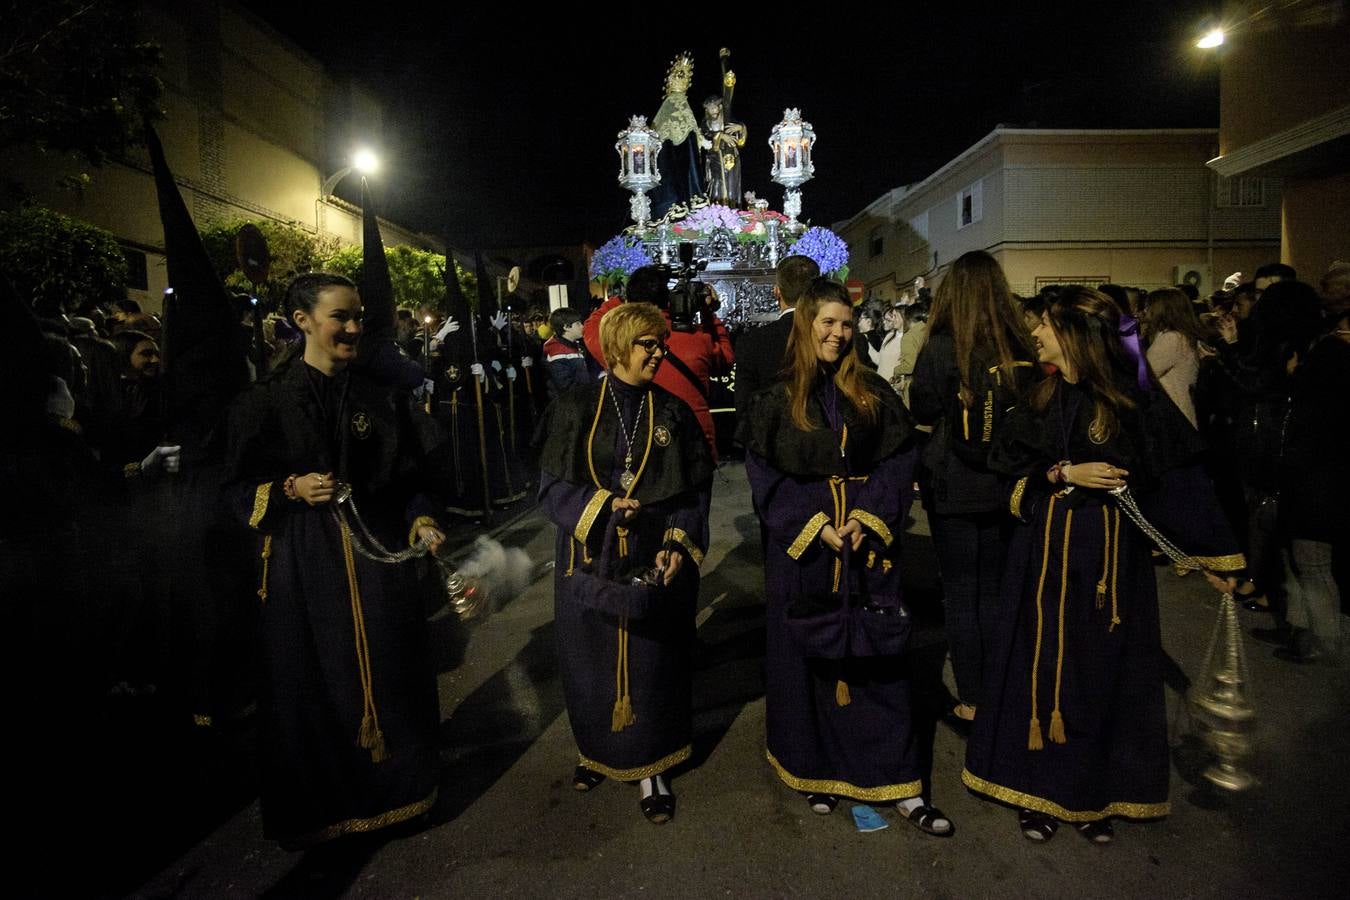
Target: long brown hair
1168	309
1087	324
975	306
802	367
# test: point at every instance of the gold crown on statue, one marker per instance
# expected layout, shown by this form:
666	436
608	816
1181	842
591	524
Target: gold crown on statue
682	65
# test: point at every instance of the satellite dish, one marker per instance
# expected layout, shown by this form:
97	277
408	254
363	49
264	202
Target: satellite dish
513	279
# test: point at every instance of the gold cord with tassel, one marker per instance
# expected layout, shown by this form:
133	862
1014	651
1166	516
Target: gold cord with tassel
841	695
622	715
370	737
1034	740
1056	719
266	558
1115	571
1106	558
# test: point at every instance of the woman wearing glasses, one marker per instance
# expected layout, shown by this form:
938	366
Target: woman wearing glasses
626	475
827	447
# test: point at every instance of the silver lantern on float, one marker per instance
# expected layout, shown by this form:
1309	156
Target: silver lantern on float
792	141
638	146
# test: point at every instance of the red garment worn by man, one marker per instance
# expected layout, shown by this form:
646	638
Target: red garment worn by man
705	352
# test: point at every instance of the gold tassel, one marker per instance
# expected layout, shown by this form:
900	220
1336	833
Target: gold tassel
626	708
841	694
266	558
1034	741
616	717
1034	738
622	714
1115	571
1057	728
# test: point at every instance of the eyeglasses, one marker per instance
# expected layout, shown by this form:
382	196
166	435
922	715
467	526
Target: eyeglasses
651	345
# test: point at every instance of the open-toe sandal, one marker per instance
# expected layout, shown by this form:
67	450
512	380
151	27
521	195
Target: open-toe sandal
658	808
583	779
929	820
1036	827
1098	832
822	804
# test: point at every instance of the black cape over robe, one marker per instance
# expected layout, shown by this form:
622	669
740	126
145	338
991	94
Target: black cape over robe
1072	721
349	709
611	664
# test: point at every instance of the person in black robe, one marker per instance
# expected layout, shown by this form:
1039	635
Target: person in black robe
626	477
1071	724
349	708
826	472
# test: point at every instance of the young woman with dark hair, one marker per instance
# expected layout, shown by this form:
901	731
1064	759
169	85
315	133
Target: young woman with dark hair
348	711
827	447
1072	723
977	362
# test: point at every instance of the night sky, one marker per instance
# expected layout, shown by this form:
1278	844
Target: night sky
500	128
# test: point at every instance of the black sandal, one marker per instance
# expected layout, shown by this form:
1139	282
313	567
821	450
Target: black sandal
1098	832
658	808
822	804
925	818
583	779
1036	827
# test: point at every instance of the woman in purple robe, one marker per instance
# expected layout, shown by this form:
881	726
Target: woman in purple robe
1071	724
829	449
626	475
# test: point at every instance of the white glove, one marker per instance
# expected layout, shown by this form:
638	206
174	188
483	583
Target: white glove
496	365
526	362
499	320
449	328
511	372
167	456
428	386
1232	281
477	369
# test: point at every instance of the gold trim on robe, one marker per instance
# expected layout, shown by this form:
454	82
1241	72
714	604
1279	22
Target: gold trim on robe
371	823
260	497
590	513
1050	808
808	534
1230	563
880	794
681	537
874	523
1015	501
640	772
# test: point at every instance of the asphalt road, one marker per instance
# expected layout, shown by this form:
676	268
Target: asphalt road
509	824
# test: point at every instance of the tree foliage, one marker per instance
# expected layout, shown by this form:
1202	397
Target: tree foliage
74	78
59	263
292	248
416	275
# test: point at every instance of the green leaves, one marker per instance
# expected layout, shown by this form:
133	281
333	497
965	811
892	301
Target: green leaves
59	263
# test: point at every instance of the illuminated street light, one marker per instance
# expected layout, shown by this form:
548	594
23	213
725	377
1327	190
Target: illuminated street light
1213	38
363	161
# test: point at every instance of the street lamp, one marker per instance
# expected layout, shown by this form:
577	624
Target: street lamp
1211	39
363	161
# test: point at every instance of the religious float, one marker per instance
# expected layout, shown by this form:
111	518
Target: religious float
697	219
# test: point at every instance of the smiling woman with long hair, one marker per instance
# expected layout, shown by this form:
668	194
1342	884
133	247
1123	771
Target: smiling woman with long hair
1071	724
829	446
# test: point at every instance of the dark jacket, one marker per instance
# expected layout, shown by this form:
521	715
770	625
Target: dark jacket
1314	493
759	359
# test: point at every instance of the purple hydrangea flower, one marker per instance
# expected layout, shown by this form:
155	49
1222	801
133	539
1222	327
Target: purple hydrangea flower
618	258
824	246
714	215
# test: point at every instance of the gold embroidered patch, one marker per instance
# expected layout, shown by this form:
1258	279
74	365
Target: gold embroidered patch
361	426
662	436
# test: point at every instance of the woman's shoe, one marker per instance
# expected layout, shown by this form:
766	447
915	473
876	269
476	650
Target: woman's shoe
1098	832
929	820
658	808
822	804
1036	827
583	779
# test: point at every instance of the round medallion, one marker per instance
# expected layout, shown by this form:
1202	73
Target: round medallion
661	434
361	426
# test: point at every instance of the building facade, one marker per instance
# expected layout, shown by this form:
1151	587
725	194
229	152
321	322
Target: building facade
1284	112
1135	207
253	125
